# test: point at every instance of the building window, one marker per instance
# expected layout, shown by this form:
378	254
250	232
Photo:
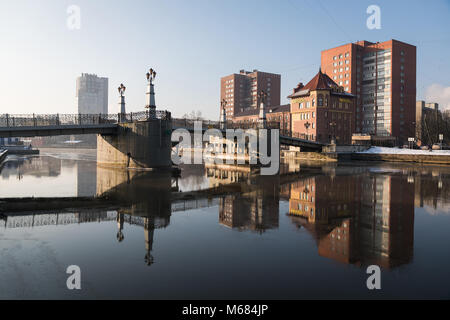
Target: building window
320	100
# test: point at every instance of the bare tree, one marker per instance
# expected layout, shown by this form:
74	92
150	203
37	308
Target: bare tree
193	115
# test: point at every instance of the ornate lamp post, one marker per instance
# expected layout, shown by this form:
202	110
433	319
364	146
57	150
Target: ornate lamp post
223	116
150	95
307	125
122	110
262	108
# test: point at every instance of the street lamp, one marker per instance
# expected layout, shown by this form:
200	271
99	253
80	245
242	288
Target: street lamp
223	117
122	112
262	95
307	125
151	105
151	75
223	104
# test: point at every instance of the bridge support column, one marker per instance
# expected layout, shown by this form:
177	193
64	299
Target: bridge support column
137	145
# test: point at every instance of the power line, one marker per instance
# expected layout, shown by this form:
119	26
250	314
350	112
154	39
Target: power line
334	21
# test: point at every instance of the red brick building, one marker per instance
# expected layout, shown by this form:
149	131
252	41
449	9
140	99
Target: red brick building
321	110
382	76
240	91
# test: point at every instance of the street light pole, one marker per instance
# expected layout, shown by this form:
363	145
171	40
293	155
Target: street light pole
223	116
307	125
262	109
122	116
150	95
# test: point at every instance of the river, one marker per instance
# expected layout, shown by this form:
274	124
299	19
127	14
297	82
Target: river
310	232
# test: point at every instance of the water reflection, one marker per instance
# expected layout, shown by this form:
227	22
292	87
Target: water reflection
363	220
34	166
357	215
255	210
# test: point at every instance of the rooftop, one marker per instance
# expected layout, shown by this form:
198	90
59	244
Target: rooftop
321	81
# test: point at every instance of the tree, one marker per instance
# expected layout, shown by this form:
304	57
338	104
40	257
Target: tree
193	115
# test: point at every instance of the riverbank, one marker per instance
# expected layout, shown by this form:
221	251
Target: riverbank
21	150
403	155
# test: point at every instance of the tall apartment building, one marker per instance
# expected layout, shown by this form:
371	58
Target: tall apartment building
92	94
382	76
240	90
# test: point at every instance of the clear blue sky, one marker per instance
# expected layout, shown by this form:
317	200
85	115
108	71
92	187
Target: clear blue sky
193	43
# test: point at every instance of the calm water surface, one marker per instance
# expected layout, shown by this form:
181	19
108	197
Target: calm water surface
307	234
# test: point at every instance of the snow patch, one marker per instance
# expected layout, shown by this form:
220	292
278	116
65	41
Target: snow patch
385	150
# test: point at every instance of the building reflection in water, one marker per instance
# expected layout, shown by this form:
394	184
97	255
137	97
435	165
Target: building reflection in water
365	219
432	188
32	166
255	207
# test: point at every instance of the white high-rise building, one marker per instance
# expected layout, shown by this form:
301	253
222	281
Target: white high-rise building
92	94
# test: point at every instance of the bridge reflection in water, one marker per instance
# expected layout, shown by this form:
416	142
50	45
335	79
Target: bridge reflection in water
356	216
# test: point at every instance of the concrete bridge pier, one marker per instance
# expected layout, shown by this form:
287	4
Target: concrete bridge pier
137	145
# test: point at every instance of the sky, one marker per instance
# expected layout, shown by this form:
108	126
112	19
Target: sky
192	44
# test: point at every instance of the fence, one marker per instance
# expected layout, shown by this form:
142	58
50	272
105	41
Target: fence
207	124
288	133
34	120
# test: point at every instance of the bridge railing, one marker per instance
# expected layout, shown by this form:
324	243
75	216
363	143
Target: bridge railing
291	134
207	124
34	120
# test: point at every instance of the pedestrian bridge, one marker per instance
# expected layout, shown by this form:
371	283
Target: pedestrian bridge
36	125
